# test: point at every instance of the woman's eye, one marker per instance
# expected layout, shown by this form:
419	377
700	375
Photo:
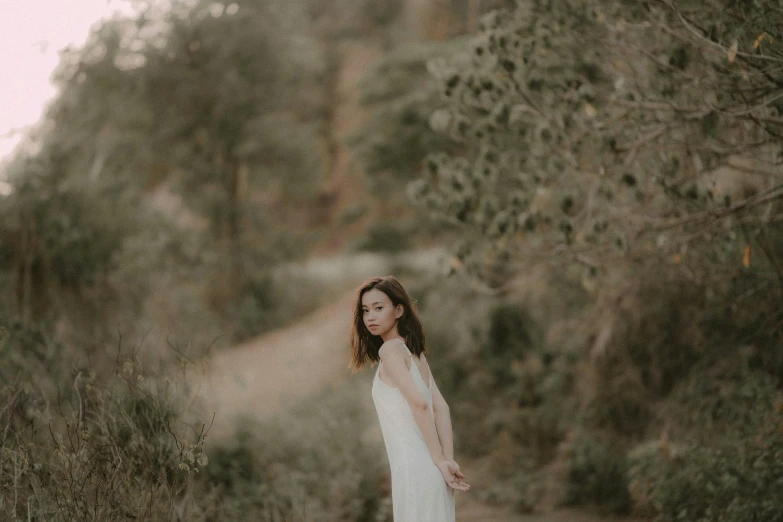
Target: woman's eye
378	307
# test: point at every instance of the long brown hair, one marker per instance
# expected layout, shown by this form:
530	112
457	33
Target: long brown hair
365	345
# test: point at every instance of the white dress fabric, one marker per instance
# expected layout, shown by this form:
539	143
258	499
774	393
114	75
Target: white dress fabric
419	493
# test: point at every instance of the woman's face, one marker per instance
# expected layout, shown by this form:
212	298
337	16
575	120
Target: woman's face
379	315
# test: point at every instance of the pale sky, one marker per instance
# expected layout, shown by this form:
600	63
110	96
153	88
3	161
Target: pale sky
32	32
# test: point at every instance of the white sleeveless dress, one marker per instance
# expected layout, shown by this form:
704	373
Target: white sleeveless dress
419	493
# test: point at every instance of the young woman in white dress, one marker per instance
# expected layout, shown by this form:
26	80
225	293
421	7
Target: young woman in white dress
413	415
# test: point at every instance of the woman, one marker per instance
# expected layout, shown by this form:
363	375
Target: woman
413	415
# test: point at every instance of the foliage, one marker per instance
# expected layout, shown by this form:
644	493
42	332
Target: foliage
386	236
199	92
356	17
597	472
510	339
77	242
402	95
723	461
397	137
80	443
157	168
751	320
57	234
550	376
496	350
727	483
648	331
312	463
638	144
266	301
727	400
107	448
606	131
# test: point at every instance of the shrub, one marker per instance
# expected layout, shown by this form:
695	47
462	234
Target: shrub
731	482
648	333
255	299
620	401
314	462
724	401
106	449
116	446
511	336
352	213
385	236
725	458
597	473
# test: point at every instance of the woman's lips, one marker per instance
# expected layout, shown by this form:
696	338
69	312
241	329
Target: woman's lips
373	326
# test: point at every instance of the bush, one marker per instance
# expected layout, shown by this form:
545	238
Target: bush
648	333
107	449
620	401
724	401
731	482
251	293
119	446
512	336
352	213
597	473
724	461
314	462
385	236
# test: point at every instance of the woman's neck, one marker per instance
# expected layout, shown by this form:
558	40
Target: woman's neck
392	334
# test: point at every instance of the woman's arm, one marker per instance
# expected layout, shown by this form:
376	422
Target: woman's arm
393	356
442	421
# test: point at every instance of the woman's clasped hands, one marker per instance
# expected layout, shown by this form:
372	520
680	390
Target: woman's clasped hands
452	475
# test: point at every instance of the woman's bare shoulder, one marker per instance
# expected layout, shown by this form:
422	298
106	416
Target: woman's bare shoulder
391	346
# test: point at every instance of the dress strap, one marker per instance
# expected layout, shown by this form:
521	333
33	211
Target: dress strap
410	354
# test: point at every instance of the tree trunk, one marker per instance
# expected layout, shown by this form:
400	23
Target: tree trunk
474	8
233	193
23	269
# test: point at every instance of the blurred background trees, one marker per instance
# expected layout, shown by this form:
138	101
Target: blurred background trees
191	125
605	176
633	150
607	128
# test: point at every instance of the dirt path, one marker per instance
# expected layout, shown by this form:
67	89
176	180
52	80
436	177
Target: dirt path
261	376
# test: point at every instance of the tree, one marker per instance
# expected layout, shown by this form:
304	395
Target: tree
220	102
596	131
200	92
391	146
641	143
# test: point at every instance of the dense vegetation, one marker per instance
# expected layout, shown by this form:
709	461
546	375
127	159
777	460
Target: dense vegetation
606	175
634	152
183	162
147	175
